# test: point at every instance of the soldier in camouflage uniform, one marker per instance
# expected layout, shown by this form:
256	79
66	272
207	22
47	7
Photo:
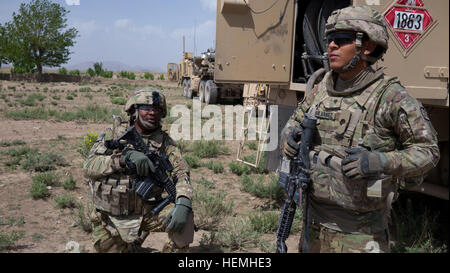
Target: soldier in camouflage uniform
119	221
372	138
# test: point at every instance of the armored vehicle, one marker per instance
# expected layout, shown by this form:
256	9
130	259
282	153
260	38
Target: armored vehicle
277	48
196	76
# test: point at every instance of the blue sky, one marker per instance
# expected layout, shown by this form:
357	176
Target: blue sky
146	33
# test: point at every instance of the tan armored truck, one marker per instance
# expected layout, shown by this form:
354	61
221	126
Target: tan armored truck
196	76
276	47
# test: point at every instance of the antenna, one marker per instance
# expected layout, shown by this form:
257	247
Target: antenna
195	45
183	45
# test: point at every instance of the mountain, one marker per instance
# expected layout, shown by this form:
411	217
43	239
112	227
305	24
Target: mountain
113	66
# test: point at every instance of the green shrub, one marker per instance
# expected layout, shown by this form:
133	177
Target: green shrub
47	178
75	72
216	167
208	148
8	241
98	68
118	100
62	71
252	145
265	221
91	72
86	143
161	77
271	190
39	190
81	217
238	168
261	165
107	74
12	143
238	235
43	162
70	183
148	76
69	97
210	208
192	161
64	201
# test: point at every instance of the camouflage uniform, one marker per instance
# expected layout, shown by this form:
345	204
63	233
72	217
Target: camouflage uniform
118	222
351	215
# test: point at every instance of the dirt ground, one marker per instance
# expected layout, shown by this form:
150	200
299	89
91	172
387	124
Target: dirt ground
48	229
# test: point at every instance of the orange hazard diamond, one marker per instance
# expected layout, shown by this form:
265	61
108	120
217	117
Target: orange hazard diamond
408	20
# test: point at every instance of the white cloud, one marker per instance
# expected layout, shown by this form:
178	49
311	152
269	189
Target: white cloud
122	23
209	4
73	2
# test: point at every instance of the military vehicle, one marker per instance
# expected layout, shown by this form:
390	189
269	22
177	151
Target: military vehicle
196	76
277	48
172	72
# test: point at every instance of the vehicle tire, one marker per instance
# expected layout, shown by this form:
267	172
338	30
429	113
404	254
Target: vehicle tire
188	90
314	21
202	91
210	92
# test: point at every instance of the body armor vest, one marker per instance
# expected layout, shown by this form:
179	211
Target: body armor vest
346	121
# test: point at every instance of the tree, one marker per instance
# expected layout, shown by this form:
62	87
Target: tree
37	36
3	40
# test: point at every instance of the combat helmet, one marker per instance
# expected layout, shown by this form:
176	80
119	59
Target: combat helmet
362	20
147	97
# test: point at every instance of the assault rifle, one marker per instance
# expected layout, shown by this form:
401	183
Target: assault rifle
158	178
296	183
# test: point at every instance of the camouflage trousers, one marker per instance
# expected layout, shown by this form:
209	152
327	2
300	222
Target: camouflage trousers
325	240
106	238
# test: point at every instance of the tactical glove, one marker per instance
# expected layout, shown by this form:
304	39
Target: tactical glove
290	144
361	163
144	165
177	217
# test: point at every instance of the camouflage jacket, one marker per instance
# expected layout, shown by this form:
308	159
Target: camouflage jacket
102	162
381	115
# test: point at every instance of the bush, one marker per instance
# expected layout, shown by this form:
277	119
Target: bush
91	72
238	235
64	201
238	168
208	148
75	72
216	167
69	183
43	162
260	189
7	241
118	100
46	178
39	190
265	221
210	209
81	217
62	71
192	161
106	74
148	76
86	143
161	77
98	68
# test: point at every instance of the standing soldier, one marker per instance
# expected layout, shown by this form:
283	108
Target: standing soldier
372	137
120	219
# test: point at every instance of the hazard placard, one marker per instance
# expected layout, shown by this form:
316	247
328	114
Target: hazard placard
408	19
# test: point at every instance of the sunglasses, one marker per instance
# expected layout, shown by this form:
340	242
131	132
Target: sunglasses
148	108
341	38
